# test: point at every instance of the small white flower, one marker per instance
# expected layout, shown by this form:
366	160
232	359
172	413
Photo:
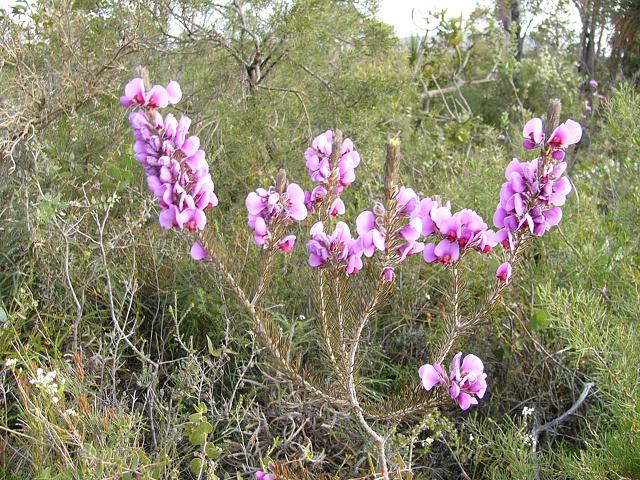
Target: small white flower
471	438
71	412
10	362
302	317
55	399
527	411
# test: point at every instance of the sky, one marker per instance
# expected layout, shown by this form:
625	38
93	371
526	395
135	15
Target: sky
398	12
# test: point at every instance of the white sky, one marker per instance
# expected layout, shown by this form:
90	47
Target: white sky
398	12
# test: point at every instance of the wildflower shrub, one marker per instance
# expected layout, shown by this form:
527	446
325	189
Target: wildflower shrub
398	227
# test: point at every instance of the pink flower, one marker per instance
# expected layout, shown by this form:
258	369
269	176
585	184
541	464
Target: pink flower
388	274
370	238
337	208
264	206
504	272
318	160
295	206
339	248
432	375
445	252
260	475
286	244
407	200
198	252
565	135
157	97
593	83
466	383
177	172
533	134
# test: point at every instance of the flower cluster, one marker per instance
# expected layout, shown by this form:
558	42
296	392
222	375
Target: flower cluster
530	199
260	475
565	135
460	231
319	161
338	248
266	206
466	382
534	191
177	172
330	179
47	383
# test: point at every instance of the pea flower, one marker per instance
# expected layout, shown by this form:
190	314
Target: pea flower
533	134
504	272
466	382
265	206
198	251
370	238
530	199
157	97
593	83
389	274
318	161
457	232
177	172
565	135
260	475
339	248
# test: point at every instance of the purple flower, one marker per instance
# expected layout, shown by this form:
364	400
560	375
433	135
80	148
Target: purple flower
565	135
466	383
294	204
410	233
504	272
408	201
260	475
286	244
445	252
370	238
388	274
337	208
177	172
530	198
264	206
339	248
158	97
318	161
593	83
533	134
198	252
432	375
456	232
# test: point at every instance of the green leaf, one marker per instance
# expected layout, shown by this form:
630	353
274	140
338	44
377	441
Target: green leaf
540	319
213	351
198	438
212	451
195	466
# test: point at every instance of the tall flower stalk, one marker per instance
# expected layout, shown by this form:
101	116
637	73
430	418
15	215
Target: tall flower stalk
400	226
